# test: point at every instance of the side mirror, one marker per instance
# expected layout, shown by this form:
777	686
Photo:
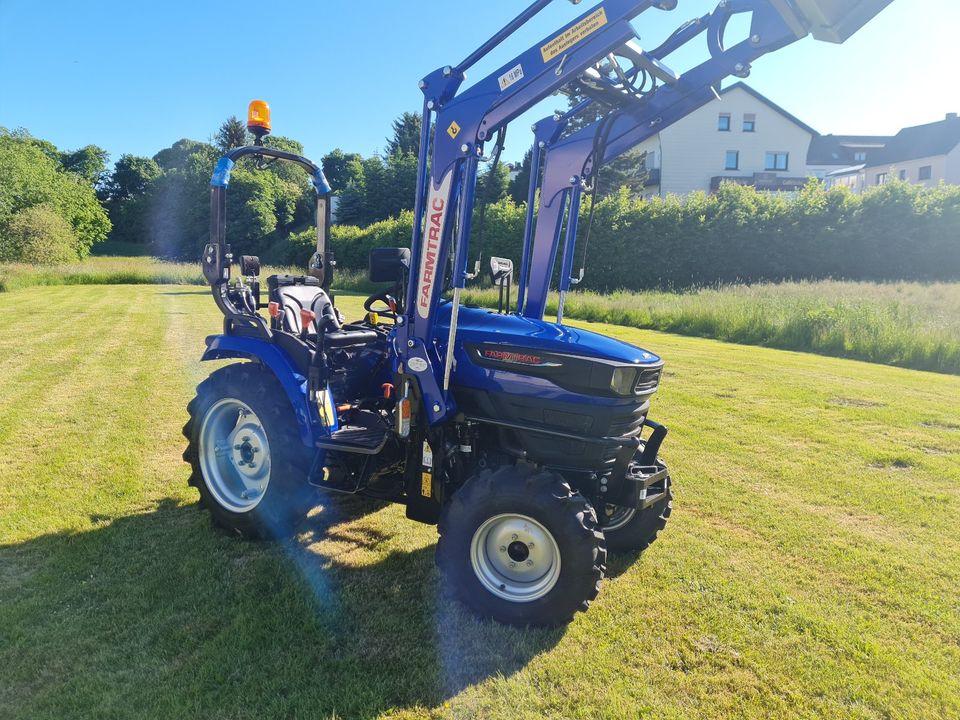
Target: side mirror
501	275
389	264
249	266
501	271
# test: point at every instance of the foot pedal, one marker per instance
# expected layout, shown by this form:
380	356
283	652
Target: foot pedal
356	439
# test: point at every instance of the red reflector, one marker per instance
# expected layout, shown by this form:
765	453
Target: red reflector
274	309
387	390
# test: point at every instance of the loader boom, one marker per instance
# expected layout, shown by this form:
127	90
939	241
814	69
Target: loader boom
460	123
572	162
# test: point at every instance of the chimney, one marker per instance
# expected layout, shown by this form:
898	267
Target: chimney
951	116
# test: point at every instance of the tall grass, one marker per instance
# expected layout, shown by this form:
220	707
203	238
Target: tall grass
111	270
910	325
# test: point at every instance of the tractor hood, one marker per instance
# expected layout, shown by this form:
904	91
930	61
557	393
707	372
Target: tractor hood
477	325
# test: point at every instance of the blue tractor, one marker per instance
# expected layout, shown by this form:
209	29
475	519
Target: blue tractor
528	442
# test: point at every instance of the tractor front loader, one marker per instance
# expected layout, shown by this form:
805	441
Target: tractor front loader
528	442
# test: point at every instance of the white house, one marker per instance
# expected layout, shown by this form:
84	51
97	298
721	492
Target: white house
925	155
743	137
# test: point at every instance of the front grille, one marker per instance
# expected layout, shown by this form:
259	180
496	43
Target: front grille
627	424
647	380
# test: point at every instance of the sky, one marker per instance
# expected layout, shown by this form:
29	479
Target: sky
134	77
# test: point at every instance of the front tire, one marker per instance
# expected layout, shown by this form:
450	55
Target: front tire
520	546
245	453
634	529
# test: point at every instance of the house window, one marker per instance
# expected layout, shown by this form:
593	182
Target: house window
749	122
903	174
859	157
777	161
881	178
733	160
723	124
926	172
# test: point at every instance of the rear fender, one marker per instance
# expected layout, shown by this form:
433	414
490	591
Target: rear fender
223	347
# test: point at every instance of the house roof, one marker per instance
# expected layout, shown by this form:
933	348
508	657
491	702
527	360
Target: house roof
840	149
922	141
767	101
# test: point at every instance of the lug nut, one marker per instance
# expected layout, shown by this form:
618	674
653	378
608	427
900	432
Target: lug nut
503	548
512	564
514	536
529	563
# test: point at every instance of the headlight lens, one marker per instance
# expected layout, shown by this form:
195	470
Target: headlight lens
624	380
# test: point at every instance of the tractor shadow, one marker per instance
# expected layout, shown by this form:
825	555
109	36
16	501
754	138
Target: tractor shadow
340	620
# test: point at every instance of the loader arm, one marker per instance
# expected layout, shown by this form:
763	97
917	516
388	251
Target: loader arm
456	125
449	160
572	162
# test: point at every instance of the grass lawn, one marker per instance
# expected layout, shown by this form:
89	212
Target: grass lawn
810	568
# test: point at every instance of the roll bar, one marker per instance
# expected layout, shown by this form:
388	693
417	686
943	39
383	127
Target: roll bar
217	256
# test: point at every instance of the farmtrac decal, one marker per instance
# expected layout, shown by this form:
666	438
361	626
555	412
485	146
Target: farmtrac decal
517	358
431	245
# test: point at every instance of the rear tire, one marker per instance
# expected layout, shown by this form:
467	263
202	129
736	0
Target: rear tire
245	453
520	546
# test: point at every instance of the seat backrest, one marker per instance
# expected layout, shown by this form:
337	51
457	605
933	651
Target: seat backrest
295	294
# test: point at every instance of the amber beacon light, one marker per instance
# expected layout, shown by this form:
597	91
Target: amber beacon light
258	119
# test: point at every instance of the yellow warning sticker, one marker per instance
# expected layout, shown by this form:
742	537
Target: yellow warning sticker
453	130
426	484
574	34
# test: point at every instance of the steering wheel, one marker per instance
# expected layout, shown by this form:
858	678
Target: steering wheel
387	299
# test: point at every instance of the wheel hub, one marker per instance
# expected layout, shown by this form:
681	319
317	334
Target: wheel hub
614	517
234	455
515	557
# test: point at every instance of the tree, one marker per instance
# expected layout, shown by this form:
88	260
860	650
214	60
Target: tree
520	184
31	176
177	155
89	162
232	134
131	175
494	184
406	135
335	166
38	235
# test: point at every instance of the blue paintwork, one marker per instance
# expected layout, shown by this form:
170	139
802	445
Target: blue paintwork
223	347
481	325
221	173
477	325
320	183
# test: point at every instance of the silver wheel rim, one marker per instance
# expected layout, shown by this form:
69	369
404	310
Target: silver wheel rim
234	455
615	517
515	557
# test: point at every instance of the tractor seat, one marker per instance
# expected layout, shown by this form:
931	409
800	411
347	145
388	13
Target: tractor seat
294	293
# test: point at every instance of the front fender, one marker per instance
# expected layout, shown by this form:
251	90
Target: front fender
222	347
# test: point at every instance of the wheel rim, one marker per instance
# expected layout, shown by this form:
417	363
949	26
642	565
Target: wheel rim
234	455
615	517
515	557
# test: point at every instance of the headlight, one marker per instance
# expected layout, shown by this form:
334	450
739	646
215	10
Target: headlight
624	380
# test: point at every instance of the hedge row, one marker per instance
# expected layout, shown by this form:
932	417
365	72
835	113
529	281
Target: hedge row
896	232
